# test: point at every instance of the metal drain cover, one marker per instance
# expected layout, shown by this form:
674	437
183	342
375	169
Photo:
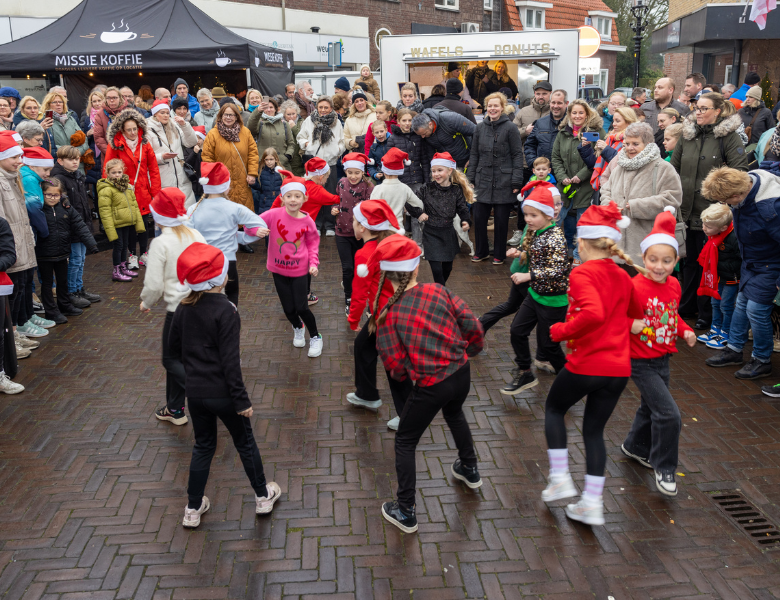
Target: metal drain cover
748	518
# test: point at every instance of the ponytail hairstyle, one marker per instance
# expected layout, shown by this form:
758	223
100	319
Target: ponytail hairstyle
459	179
611	246
402	278
388	106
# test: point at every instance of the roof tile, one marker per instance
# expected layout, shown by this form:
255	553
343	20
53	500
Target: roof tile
564	14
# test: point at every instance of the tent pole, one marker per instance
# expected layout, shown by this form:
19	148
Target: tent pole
248	79
284	25
62	81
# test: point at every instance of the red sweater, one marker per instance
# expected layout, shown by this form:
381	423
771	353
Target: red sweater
660	303
602	307
364	288
316	197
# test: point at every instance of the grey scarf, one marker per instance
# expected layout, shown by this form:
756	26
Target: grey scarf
271	119
323	132
645	157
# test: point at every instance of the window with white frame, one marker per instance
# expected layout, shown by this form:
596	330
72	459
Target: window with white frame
727	76
448	4
603	26
534	18
488	4
603	80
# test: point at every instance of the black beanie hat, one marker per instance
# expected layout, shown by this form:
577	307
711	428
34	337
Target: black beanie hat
454	86
176	102
752	78
453	66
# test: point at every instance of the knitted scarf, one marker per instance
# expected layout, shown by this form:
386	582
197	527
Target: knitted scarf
708	259
61	118
774	142
270	118
614	141
645	157
417	106
229	133
122	184
322	127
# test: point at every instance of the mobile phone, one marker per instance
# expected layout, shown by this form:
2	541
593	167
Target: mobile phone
266	98
591	136
49	114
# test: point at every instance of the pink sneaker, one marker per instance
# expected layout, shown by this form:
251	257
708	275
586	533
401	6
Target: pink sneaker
126	271
119	275
265	505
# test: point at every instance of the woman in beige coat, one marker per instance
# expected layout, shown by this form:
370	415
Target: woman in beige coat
642	184
230	143
359	119
168	137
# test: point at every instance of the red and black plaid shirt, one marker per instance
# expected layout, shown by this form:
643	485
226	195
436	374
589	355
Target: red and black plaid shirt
427	335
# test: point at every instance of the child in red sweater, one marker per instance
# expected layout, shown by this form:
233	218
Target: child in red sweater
426	334
597	327
373	221
655	433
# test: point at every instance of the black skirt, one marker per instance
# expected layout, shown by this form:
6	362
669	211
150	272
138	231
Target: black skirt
441	244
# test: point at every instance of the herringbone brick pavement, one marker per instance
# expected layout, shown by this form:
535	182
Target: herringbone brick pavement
92	486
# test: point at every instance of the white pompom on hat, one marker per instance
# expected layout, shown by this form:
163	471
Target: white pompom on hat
663	231
215	178
167	207
602	221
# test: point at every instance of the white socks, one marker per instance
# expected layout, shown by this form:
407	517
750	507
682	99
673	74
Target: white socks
594	486
559	461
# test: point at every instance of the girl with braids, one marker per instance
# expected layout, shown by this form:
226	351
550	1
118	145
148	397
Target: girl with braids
426	334
598	323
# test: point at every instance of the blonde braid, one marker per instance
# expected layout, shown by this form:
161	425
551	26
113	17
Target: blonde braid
403	281
612	247
372	320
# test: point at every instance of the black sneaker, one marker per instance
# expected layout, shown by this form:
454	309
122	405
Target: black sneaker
405	521
73	311
773	391
38	308
177	417
755	369
665	483
78	301
725	358
641	460
521	380
701	324
58	318
246	249
468	475
88	296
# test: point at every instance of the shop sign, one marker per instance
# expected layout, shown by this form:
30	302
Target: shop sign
498	50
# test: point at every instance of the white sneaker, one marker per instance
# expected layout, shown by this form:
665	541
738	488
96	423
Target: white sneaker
393	423
192	515
330	233
544	365
666	483
590	513
24	341
22	352
559	486
299	337
353	398
9	387
315	346
132	263
266	504
144	259
516	238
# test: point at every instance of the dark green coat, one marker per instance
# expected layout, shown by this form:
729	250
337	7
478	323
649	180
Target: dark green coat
567	162
701	149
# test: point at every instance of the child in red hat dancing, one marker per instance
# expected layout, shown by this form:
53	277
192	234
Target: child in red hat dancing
424	333
655	433
597	327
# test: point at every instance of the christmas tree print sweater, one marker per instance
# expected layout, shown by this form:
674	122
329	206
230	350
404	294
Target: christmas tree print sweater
660	303
293	244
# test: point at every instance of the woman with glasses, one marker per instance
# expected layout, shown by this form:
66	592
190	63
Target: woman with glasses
30	111
606	110
63	124
6	115
710	140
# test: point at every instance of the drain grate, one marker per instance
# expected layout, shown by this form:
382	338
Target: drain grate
749	519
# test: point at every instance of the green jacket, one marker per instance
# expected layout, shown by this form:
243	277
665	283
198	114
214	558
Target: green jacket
699	150
296	164
567	162
117	209
62	135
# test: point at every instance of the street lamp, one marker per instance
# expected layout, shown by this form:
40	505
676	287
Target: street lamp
639	10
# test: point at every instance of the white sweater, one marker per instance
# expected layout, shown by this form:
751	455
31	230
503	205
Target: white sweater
396	193
160	278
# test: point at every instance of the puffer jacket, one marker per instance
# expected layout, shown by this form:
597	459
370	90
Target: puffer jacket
541	139
412	144
699	150
13	210
117	209
65	227
567	162
373	85
452	134
270	185
171	170
764	120
377	153
76	189
355	129
240	158
496	163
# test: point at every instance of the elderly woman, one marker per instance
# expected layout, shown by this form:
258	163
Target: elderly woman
169	135
668	116
32	134
272	131
208	109
291	114
496	172
409	98
642	184
709	141
30	110
597	156
64	124
230	143
6	115
321	135
361	115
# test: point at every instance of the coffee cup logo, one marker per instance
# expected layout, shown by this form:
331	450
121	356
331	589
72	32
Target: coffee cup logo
222	60
118	34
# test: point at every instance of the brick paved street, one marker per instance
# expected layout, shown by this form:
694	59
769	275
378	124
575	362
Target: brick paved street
93	486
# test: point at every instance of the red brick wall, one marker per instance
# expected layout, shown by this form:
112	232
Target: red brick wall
765	54
719	64
677	66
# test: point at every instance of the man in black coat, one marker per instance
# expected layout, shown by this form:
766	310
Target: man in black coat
542	137
453	100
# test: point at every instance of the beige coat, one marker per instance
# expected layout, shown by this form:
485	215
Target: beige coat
635	188
357	125
13	210
240	158
171	170
373	85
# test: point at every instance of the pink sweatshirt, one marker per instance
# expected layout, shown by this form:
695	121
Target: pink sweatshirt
293	244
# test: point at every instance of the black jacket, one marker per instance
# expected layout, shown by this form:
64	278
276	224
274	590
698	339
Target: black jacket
76	188
496	163
193	159
205	337
658	138
65	228
729	259
7	246
412	144
432	101
453	133
764	120
541	139
454	103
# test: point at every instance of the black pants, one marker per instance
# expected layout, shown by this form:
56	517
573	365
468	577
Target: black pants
423	405
21	307
204	413
49	269
175	377
603	394
347	246
532	314
119	253
517	294
441	270
366	358
294	298
141	238
691	303
231	288
481	214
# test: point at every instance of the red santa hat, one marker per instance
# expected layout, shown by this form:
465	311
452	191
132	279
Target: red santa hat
201	267
443	159
397	253
376	215
541	196
356	160
37	157
6	285
200	131
317	166
167	207
214	177
291	182
8	147
159	105
12	134
602	221
395	161
663	231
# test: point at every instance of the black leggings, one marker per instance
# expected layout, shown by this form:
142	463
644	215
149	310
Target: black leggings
119	254
441	270
294	298
141	238
603	394
347	246
175	376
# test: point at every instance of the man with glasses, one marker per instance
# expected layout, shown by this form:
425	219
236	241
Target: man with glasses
663	97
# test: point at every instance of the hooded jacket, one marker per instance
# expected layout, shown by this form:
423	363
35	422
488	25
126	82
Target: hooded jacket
412	144
452	133
65	227
763	120
567	161
171	170
496	163
699	150
117	209
13	210
76	188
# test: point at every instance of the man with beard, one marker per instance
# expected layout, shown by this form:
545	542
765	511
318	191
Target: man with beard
526	117
304	97
663	97
477	80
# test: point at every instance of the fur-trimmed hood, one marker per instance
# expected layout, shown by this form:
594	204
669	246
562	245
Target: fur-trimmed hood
721	129
118	123
593	123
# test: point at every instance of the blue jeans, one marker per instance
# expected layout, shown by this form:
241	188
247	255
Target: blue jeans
723	309
755	316
78	254
568	219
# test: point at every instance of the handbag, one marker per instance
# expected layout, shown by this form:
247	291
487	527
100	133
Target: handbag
188	171
680	234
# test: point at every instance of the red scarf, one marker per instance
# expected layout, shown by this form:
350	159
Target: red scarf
708	259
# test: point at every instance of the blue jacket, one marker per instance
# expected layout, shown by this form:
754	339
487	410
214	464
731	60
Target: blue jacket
33	200
377	153
270	186
740	94
757	225
541	139
193	103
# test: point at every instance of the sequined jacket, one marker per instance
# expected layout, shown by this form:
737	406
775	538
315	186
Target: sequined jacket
441	204
549	262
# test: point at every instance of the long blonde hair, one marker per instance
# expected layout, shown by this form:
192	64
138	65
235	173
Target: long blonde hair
182	232
611	246
47	103
459	179
24	102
